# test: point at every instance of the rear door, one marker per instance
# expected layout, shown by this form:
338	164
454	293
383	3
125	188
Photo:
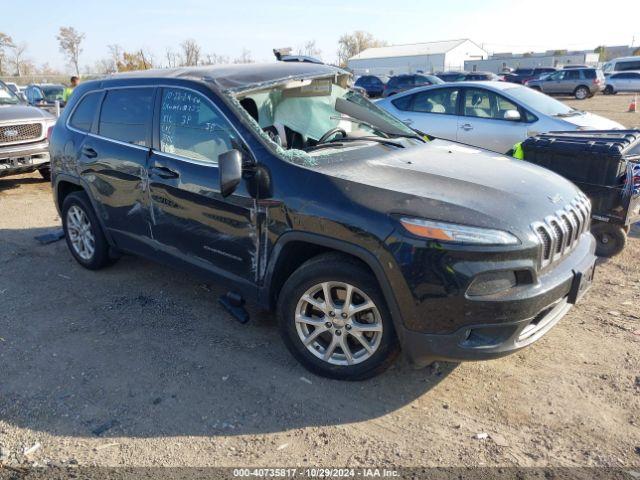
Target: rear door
113	160
483	121
431	111
192	222
633	82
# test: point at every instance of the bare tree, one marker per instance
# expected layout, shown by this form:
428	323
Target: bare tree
147	59
70	39
215	59
19	50
115	52
245	57
352	44
173	58
310	49
6	42
190	52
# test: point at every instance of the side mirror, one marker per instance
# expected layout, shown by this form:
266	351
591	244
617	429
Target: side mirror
230	170
512	115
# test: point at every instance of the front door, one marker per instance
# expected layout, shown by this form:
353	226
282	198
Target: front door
483	121
191	221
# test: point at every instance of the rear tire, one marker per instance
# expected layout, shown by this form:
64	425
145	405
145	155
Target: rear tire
608	90
581	92
610	239
83	233
537	89
322	335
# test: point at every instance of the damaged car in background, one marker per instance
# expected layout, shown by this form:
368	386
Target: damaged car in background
305	198
23	136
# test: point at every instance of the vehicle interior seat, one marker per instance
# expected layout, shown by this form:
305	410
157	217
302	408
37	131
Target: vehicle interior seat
475	110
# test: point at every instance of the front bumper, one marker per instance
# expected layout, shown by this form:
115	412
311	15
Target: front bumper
533	315
23	158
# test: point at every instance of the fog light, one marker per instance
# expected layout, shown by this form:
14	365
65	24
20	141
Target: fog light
491	283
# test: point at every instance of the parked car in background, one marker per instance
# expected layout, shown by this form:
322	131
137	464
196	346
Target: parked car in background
622	82
482	77
451	76
400	83
522	75
469	76
23	136
621	64
15	88
491	115
304	198
569	67
45	95
371	84
580	82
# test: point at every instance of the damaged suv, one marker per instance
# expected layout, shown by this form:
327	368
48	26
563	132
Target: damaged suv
23	136
365	236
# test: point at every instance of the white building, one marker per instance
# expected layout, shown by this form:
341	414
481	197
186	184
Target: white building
497	62
415	58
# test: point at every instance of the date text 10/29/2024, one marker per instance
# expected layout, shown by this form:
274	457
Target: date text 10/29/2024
316	472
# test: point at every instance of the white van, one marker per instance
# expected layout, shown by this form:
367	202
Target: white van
621	64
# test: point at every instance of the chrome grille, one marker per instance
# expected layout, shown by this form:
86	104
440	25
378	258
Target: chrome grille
560	233
20	133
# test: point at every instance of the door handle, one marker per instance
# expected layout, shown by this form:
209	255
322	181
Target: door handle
164	172
466	127
89	152
407	121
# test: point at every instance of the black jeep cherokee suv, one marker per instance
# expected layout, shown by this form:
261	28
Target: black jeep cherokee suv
364	235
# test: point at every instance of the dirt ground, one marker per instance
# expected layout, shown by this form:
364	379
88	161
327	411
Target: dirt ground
137	365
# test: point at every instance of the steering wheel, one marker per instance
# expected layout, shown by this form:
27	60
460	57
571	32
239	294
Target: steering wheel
331	133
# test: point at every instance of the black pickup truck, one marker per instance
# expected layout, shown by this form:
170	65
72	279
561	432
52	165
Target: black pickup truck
301	196
24	146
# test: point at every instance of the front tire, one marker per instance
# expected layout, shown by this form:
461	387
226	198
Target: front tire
608	90
83	233
610	239
334	320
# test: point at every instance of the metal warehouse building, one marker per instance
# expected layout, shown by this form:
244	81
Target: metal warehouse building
551	58
417	57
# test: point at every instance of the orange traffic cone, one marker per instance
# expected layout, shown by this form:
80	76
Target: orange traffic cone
633	104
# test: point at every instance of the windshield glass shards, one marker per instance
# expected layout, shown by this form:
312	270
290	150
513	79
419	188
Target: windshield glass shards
308	118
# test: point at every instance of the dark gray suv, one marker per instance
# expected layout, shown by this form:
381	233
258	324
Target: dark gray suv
579	82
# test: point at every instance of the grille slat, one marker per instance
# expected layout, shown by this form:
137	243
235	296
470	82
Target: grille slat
20	133
560	233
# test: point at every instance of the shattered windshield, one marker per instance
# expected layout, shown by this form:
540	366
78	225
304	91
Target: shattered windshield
307	118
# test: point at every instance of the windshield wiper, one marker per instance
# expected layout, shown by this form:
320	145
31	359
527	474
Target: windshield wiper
571	113
343	141
383	141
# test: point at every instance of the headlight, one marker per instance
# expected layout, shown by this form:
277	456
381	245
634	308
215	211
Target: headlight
449	232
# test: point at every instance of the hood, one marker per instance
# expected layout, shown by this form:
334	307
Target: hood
19	113
593	122
450	182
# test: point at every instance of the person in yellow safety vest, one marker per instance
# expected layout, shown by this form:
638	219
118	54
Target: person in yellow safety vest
518	152
69	90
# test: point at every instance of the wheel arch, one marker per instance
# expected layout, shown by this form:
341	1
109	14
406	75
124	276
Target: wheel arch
303	246
67	184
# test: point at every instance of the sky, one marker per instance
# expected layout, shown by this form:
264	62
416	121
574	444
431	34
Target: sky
228	27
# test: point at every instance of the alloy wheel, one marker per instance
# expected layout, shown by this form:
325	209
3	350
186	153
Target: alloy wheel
338	323
80	233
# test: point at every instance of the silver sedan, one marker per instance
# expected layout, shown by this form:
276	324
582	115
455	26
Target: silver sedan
622	82
491	115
